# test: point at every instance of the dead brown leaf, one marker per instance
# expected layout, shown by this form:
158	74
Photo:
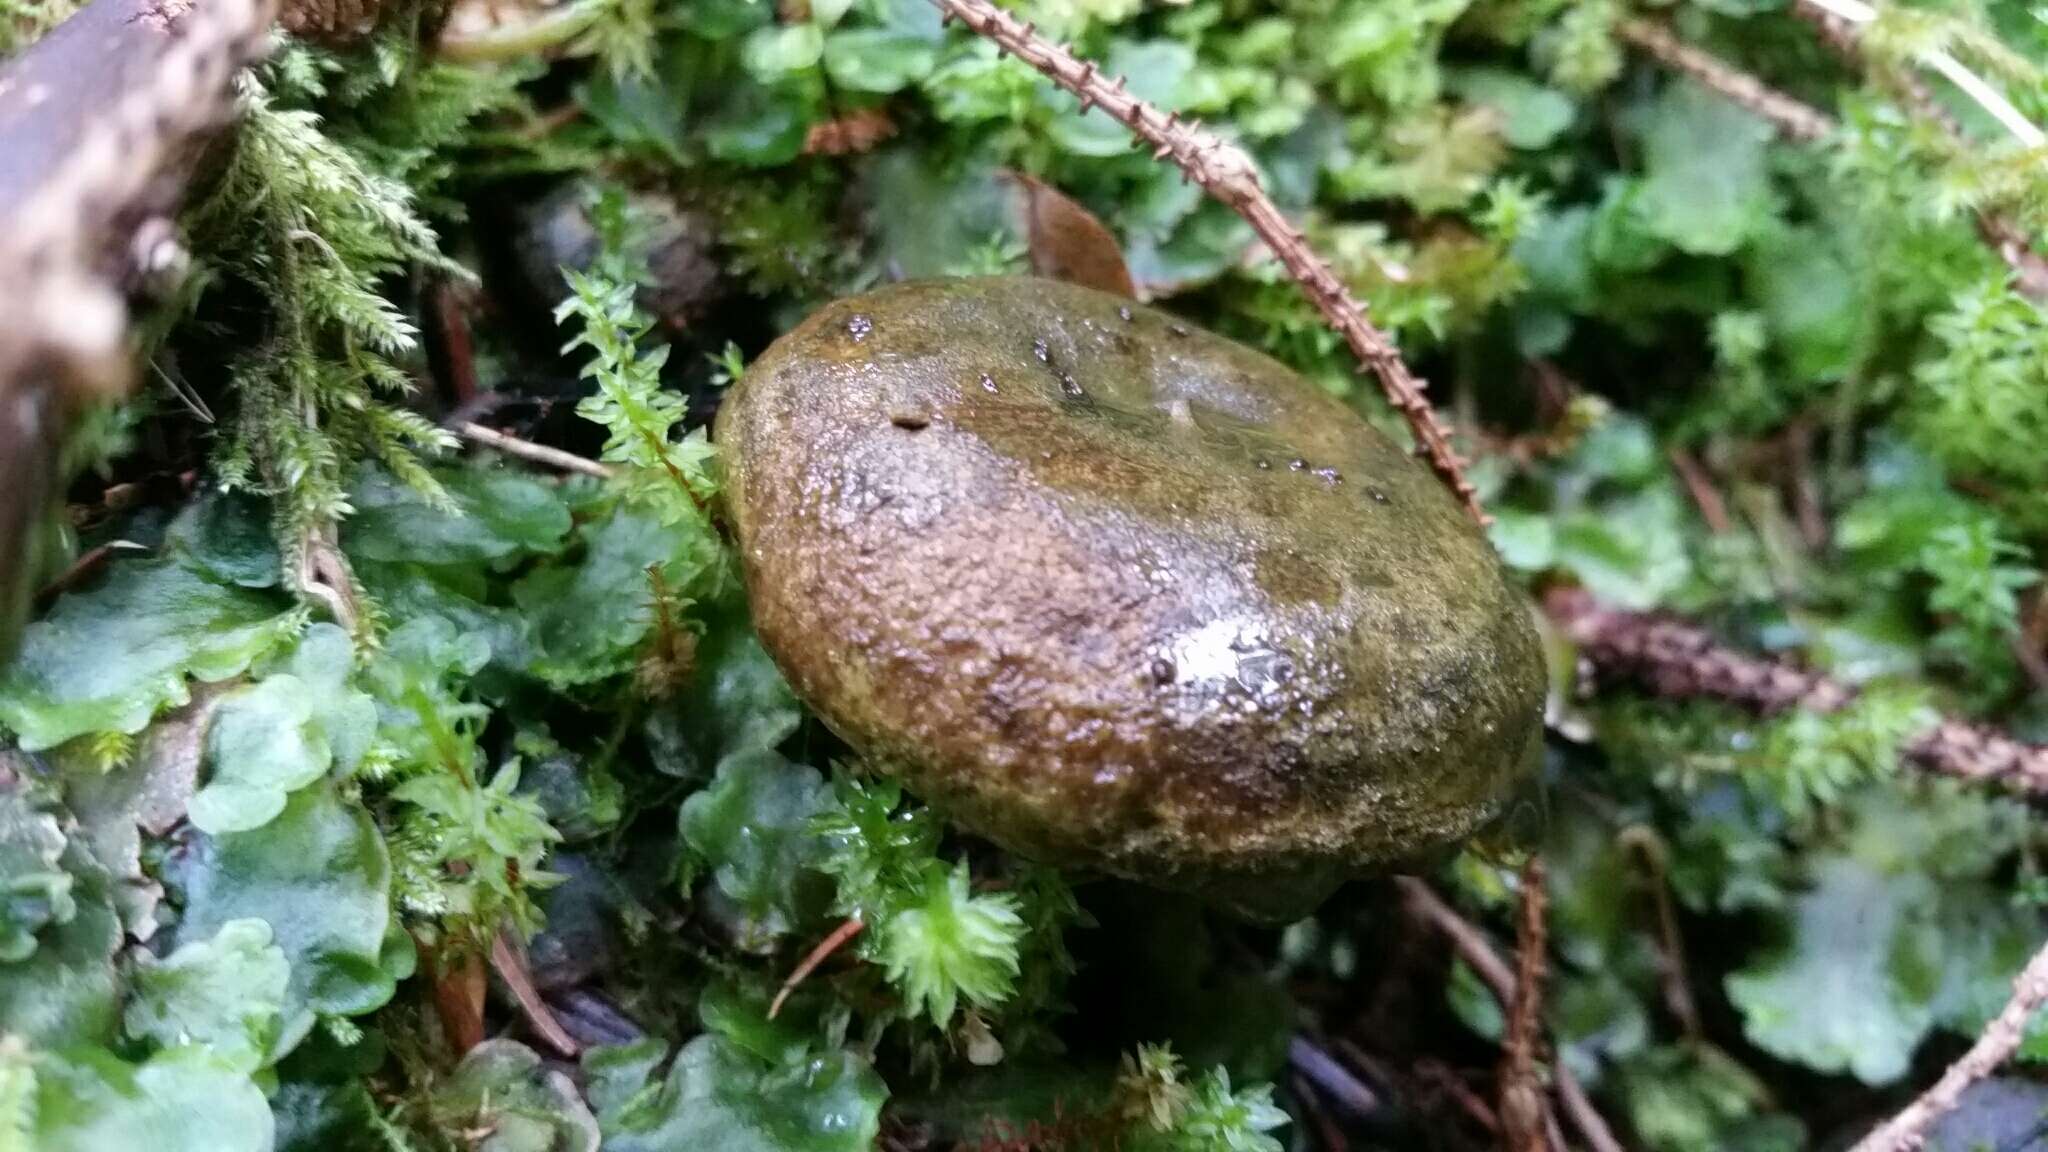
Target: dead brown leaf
849	135
1066	241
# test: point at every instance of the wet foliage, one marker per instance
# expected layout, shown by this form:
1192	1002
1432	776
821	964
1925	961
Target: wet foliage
519	856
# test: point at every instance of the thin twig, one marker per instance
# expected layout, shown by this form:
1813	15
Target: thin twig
1465	938
1330	1136
1228	174
1478	953
1839	23
1584	1116
1522	1110
1906	1131
846	931
1792	117
1713	509
83	569
527	450
1642	841
1678	660
1329	1075
510	965
1858	13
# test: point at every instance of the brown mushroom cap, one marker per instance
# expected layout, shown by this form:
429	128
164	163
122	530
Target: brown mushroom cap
1122	594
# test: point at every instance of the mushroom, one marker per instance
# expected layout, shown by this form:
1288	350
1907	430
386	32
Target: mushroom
1120	594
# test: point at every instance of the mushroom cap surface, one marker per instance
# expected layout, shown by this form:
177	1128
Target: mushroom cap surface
1118	593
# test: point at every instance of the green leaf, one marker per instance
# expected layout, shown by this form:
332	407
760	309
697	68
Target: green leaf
66	991
479	823
760	125
946	944
182	1101
1849	990
497	514
418	679
165	618
1706	186
735	700
1697	1099
752	828
1212	1117
718	1098
589	617
1630	552
414	592
502	1089
229	536
740	1014
1810	298
35	891
225	994
878	60
282	734
1532	116
320	877
1524	541
775	51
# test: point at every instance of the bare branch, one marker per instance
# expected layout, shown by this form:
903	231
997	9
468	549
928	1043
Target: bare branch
1907	1131
512	445
1228	174
1679	660
1793	118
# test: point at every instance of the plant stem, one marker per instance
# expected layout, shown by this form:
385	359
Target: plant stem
1907	1131
1228	174
1795	119
1478	952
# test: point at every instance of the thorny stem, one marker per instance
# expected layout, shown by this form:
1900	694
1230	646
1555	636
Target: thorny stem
1681	661
1907	1131
1794	118
1228	174
1472	946
1522	1111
